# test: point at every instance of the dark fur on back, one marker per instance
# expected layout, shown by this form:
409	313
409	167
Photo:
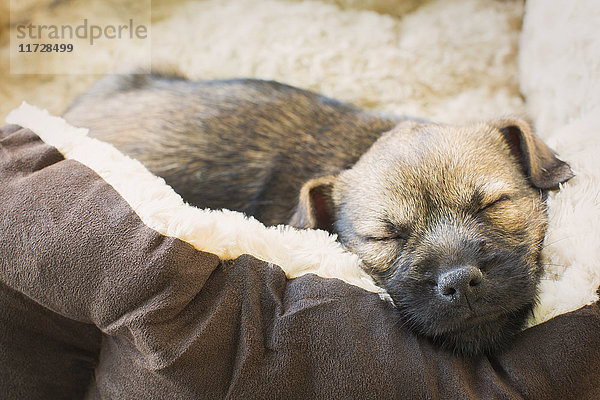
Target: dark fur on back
238	144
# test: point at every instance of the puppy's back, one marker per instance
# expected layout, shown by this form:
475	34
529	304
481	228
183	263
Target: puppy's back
242	144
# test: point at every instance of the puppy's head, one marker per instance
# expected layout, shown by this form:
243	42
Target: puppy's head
450	221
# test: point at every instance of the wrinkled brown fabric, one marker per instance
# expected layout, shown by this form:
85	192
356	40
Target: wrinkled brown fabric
94	304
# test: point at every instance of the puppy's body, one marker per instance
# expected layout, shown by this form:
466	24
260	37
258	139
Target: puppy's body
245	145
450	220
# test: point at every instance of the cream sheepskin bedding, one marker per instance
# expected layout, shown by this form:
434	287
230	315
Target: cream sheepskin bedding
445	60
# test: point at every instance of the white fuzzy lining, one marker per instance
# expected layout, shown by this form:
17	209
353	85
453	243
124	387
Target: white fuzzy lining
226	233
571	254
572	246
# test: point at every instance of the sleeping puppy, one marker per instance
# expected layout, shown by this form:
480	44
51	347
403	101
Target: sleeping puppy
450	220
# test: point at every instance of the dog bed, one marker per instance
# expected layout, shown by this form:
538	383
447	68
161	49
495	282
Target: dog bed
112	287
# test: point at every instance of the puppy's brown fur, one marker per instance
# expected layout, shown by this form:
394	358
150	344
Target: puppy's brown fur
244	145
428	201
449	219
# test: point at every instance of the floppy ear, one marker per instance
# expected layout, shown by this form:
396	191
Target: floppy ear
540	164
315	205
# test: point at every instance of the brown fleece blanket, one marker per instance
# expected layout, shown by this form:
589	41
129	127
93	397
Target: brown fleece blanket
94	304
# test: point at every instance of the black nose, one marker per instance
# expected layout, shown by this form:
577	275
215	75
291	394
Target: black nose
460	284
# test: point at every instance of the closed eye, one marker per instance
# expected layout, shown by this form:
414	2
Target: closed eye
495	202
385	238
391	232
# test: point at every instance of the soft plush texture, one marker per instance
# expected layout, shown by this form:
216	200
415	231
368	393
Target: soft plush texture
96	304
450	61
559	71
559	62
446	60
224	233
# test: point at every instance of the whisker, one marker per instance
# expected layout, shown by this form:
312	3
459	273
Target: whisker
555	241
